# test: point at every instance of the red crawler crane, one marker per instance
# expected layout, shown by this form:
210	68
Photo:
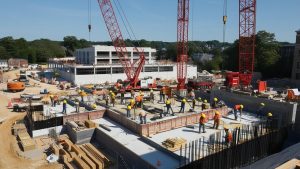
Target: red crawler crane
182	41
132	70
247	31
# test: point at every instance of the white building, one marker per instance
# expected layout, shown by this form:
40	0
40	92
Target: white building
102	55
100	64
3	64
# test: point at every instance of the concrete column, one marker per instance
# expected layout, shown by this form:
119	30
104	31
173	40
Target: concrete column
110	57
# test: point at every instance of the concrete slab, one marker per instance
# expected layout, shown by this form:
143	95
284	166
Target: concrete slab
134	144
192	134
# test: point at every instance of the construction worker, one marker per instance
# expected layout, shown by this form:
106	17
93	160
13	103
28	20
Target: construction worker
113	98
94	106
128	110
217	119
55	100
215	103
199	100
64	107
182	106
168	105
204	105
82	93
238	107
161	93
132	103
194	103
228	136
142	116
260	110
269	120
138	100
122	96
106	100
77	106
151	96
52	100
202	122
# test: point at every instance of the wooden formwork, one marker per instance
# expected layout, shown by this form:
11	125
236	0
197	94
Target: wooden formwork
164	125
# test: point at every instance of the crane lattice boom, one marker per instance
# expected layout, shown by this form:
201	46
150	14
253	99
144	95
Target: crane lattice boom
247	24
182	41
132	70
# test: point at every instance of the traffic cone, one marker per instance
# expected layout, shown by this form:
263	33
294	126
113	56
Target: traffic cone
158	163
9	104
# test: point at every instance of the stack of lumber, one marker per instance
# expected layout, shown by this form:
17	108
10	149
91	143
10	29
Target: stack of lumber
89	124
85	156
90	150
174	144
26	142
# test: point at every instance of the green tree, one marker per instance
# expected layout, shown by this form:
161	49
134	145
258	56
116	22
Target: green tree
3	53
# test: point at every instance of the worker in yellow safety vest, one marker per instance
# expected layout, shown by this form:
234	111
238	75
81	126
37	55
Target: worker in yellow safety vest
113	99
182	106
128	110
215	103
204	105
168	105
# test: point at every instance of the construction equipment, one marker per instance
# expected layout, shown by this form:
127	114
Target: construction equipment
247	31
182	41
131	69
293	95
174	144
15	86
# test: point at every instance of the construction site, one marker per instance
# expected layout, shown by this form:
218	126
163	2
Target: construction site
117	107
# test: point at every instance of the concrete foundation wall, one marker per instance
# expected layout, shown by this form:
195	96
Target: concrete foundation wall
84	116
44	132
80	137
285	112
132	160
164	125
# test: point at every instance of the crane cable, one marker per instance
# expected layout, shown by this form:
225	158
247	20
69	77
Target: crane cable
224	21
89	19
126	23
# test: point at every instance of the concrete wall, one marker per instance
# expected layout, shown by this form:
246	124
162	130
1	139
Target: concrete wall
84	116
164	125
285	112
80	137
132	160
45	132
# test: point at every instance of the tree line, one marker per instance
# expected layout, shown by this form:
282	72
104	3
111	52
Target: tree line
225	55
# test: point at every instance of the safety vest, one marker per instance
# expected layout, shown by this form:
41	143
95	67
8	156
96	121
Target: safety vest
229	137
129	107
183	101
168	102
237	107
217	117
202	120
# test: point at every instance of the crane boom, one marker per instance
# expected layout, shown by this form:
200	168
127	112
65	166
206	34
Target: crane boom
247	31
182	41
132	70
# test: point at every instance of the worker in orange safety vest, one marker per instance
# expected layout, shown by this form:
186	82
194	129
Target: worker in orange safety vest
217	119
238	107
228	137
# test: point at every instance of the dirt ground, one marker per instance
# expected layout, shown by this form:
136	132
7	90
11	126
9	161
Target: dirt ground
8	144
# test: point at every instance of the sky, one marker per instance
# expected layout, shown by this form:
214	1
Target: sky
150	19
